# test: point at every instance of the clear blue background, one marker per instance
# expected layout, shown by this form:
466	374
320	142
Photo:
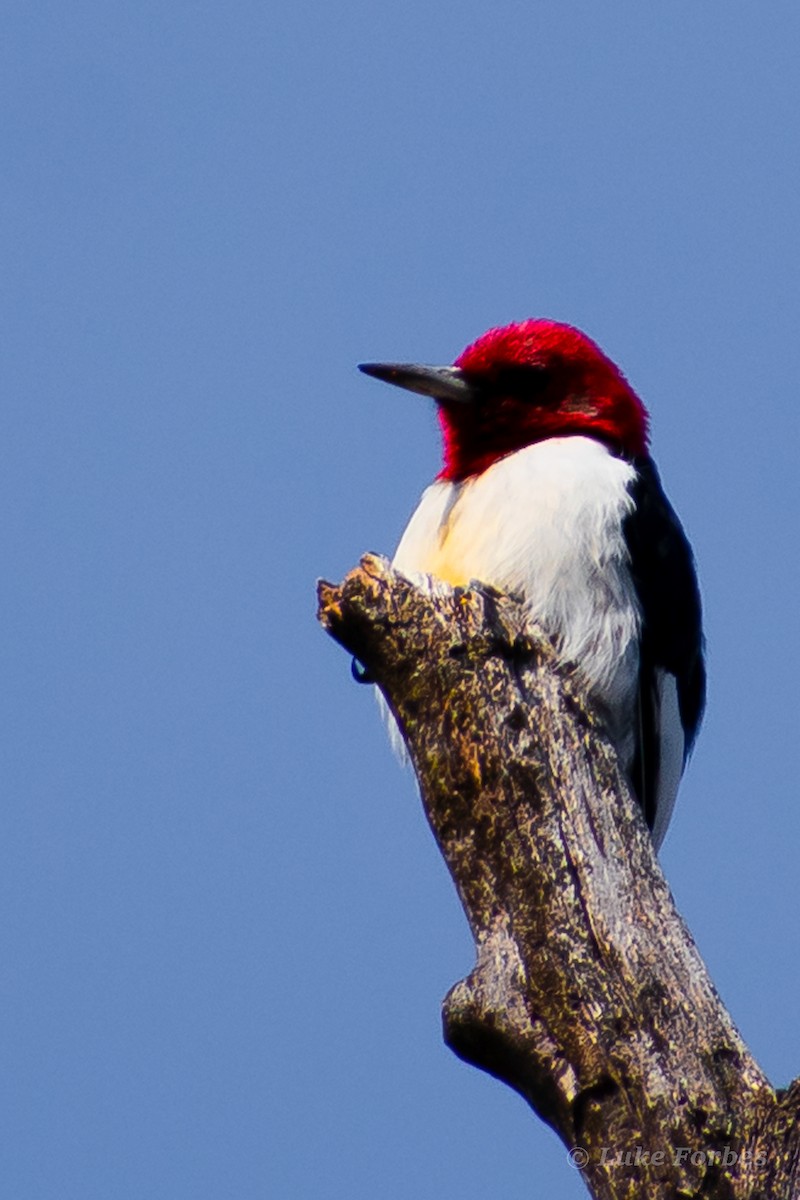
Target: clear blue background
225	930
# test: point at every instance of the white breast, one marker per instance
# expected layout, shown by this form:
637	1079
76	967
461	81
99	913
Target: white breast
545	523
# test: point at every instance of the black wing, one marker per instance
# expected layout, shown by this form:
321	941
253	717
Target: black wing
663	570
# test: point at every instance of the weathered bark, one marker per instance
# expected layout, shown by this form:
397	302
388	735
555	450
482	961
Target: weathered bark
589	996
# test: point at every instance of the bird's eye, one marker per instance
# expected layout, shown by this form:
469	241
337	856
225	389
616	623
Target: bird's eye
523	382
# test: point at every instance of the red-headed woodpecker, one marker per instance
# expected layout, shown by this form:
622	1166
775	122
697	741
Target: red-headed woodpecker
548	493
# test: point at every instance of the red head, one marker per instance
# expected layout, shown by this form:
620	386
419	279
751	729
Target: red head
521	384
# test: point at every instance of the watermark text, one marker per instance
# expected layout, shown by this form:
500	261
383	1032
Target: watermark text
676	1156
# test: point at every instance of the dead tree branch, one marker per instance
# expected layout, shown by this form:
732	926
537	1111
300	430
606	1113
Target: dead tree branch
588	996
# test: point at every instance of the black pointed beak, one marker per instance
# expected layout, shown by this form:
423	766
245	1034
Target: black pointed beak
448	385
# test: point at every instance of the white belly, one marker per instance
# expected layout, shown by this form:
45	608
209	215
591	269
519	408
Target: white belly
545	524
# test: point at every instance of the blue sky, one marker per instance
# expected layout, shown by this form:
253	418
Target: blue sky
225	930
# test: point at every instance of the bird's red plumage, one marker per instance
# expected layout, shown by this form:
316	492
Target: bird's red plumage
582	392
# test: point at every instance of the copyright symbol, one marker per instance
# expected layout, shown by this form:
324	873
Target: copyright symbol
578	1157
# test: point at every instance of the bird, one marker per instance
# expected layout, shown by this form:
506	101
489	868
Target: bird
548	492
